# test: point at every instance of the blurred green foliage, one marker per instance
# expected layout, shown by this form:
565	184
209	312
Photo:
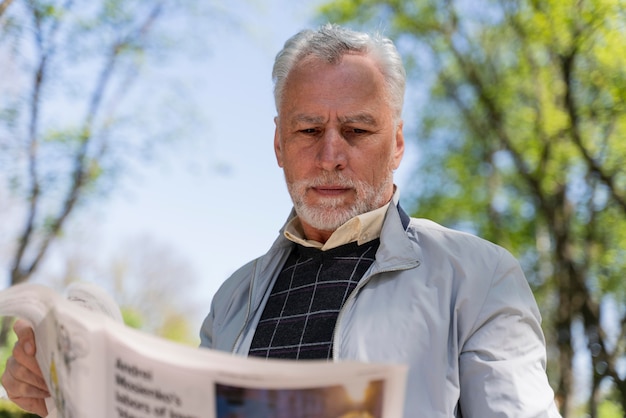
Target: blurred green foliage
9	410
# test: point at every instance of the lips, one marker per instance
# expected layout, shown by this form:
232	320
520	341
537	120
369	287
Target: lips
331	190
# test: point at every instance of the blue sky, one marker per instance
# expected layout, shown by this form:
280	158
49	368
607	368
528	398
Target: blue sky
221	201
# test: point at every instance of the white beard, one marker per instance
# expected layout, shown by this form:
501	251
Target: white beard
328	215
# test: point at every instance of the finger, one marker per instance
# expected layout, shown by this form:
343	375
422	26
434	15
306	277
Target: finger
25	334
24	395
22	379
19	380
25	368
23	364
35	406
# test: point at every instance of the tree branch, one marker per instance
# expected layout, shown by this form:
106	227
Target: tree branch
567	68
79	173
17	273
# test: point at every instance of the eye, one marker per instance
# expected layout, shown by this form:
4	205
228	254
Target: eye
351	132
309	131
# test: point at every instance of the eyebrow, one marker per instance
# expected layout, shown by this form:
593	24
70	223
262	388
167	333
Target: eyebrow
301	118
364	118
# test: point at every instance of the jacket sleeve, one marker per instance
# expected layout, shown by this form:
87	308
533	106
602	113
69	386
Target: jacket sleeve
206	331
503	360
228	313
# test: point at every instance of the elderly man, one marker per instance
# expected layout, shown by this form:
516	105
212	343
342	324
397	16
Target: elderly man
352	276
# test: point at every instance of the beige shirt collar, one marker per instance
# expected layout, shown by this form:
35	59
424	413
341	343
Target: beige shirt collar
362	228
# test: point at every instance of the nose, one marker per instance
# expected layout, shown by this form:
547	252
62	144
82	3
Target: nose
332	151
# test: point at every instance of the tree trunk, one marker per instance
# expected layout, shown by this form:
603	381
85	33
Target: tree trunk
558	214
594	396
566	355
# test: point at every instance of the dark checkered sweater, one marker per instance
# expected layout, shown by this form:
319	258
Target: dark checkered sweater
300	315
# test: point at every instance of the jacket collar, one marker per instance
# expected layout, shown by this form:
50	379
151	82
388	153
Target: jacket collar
396	250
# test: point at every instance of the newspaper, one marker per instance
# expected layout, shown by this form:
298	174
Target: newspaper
96	367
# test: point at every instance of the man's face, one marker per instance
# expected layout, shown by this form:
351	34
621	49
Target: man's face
337	142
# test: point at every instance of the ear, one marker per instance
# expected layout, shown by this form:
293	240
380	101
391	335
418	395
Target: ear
277	146
398	150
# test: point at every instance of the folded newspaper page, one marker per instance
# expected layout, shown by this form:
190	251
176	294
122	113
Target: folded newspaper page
96	367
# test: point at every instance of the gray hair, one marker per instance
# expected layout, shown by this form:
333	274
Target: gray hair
330	43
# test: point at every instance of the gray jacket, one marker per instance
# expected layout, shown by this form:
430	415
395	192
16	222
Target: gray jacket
453	307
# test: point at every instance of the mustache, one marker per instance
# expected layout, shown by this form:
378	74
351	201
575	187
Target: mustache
330	179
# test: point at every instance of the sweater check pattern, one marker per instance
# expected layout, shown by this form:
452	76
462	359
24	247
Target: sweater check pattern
299	318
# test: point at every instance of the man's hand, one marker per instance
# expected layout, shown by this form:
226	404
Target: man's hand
22	378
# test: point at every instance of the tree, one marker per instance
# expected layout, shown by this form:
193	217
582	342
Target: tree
155	284
522	142
78	55
152	283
